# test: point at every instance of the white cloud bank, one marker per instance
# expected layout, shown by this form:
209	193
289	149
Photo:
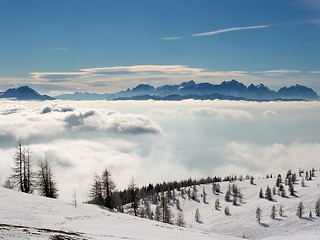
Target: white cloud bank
160	141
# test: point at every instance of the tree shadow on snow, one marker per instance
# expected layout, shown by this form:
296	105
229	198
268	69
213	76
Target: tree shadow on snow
264	225
308	218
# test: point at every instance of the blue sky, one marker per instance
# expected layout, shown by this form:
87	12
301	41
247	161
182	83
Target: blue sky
107	45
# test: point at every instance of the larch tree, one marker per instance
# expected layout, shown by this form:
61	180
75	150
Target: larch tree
166	212
133	195
96	191
46	183
108	188
23	175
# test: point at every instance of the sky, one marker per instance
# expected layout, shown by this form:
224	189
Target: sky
156	141
109	45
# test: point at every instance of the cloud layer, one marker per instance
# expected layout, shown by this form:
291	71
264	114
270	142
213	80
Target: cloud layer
160	141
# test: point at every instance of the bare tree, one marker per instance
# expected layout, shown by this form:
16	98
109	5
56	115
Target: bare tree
166	212
74	198
134	198
108	187
96	191
46	182
23	176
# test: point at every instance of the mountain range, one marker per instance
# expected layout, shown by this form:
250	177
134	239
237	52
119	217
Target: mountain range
227	90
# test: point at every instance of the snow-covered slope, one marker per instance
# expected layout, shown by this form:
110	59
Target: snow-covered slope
24	216
242	221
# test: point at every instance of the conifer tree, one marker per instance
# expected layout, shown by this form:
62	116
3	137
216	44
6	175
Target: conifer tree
46	182
157	214
108	188
268	194
261	193
317	208
204	195
251	180
96	191
226	211
180	220
302	183
291	188
133	195
273	212
227	196
258	215
300	210
164	212
23	175
8	184
197	215
217	204
281	211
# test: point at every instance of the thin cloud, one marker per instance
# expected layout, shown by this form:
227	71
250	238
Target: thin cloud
224	113
314	72
278	72
171	38
228	30
139	70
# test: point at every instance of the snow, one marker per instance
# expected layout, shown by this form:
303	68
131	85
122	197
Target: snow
242	222
25	216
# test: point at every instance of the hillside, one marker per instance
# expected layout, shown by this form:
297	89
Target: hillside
242	221
25	216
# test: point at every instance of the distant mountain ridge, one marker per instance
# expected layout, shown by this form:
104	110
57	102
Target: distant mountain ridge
24	93
227	90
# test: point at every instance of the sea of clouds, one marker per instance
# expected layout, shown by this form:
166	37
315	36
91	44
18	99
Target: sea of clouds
155	141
